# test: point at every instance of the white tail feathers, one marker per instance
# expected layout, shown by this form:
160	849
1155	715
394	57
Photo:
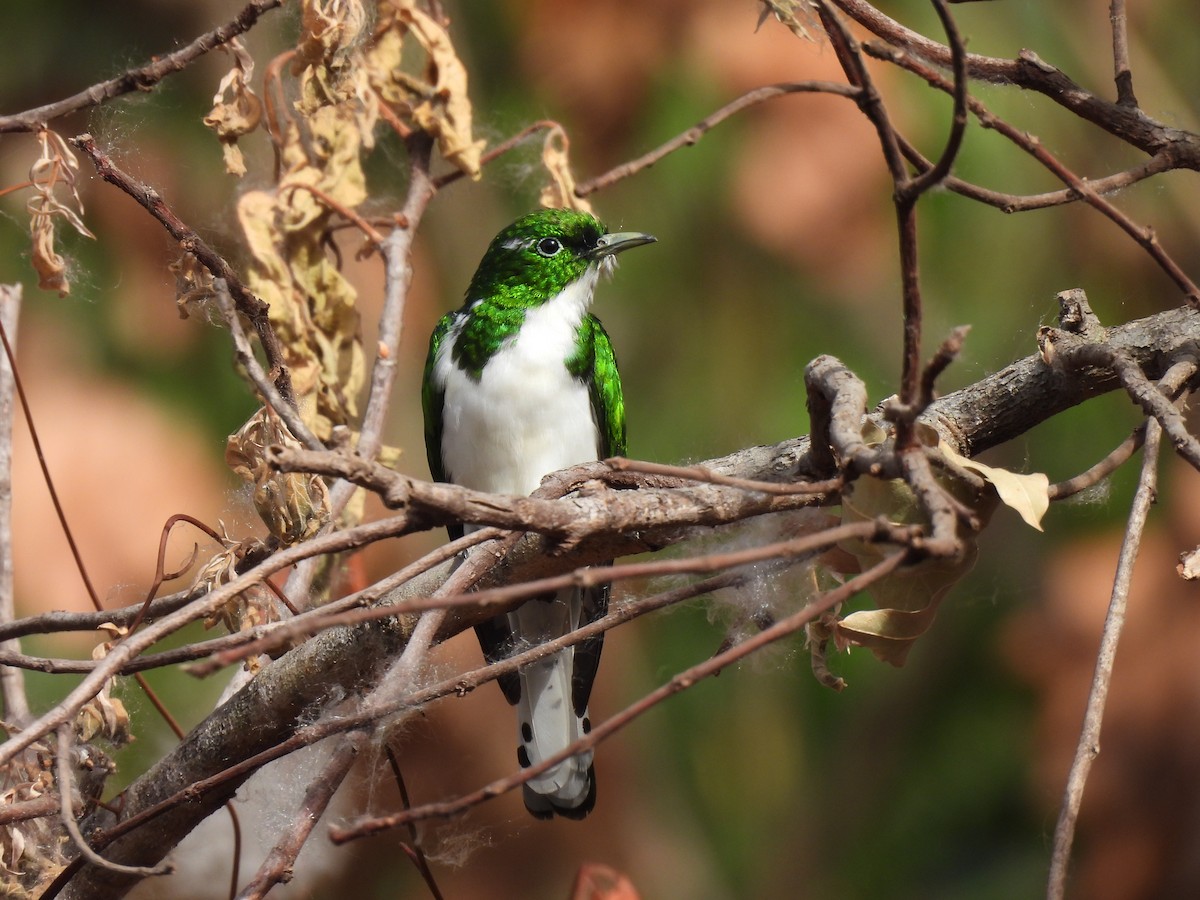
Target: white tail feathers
546	719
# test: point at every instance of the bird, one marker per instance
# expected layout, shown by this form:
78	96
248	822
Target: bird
522	381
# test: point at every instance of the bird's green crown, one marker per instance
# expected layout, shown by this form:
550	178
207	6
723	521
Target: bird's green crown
536	257
528	264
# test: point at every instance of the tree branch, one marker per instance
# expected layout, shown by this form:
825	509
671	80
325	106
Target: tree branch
142	78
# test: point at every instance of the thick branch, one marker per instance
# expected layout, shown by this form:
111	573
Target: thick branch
1028	71
267	712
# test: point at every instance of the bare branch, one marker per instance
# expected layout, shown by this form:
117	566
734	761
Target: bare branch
248	305
266	389
12	681
1171	384
142	78
1028	71
693	135
277	867
1089	737
1122	74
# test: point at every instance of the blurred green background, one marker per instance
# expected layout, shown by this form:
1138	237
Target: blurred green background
776	244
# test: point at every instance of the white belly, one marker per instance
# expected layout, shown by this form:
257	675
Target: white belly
526	417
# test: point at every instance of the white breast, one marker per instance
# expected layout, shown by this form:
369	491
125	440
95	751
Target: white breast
526	416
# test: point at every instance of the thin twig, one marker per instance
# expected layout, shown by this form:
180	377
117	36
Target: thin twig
697	131
1116	458
413	847
1171	384
12	681
1082	188
253	308
133	645
1122	73
457	685
277	867
934	176
1074	352
245	356
707	476
1089	738
397	253
1028	71
27	411
142	78
499	150
680	682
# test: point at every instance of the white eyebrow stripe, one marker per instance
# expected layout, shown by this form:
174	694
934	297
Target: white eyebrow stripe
515	244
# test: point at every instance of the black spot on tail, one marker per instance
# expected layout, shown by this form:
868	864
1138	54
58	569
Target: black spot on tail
541	807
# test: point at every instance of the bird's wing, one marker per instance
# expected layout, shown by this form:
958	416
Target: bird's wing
599	367
432	396
608	404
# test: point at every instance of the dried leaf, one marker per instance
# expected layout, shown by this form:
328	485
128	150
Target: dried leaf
444	112
1189	565
1028	494
236	108
193	283
798	15
294	505
55	167
600	882
908	599
560	192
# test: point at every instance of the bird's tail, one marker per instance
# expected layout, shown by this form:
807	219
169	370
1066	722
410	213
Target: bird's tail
552	710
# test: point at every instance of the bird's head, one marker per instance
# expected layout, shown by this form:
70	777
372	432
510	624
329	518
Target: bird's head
539	255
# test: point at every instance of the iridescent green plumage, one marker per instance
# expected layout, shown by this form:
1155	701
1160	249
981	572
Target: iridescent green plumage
522	381
596	365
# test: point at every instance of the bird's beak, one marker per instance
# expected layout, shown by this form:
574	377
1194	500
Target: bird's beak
612	244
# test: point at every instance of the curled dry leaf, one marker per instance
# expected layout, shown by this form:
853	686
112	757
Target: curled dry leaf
104	715
560	192
1189	565
31	850
313	308
443	110
55	167
236	108
254	606
294	505
193	283
798	15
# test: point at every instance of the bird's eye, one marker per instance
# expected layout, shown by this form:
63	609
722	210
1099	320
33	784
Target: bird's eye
549	246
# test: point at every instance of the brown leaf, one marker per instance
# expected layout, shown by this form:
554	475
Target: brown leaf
445	111
236	108
596	881
560	192
55	167
294	505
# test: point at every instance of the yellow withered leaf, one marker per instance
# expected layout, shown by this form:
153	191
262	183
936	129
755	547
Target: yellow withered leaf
444	112
1027	493
560	192
236	108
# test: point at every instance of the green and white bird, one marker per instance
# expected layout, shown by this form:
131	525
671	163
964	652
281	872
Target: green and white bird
520	382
